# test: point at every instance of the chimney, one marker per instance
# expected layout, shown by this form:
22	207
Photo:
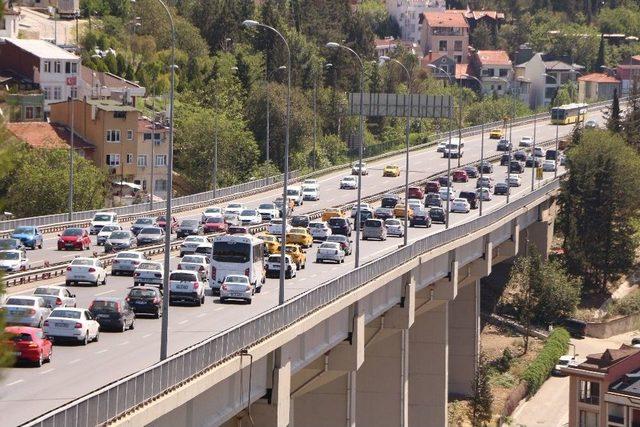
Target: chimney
430	56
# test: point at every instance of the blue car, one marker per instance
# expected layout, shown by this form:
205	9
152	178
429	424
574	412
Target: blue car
30	236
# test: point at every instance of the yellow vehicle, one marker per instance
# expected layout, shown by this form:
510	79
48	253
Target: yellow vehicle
569	113
391	170
297	255
398	211
496	133
332	212
300	236
271	243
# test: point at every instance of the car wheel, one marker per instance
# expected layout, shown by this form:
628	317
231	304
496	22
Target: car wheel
181	254
202	299
48	359
40	245
223	300
158	314
96	283
342	261
40	323
67	283
40	360
198	302
85	341
124	325
104	280
97	337
249	301
132	326
259	289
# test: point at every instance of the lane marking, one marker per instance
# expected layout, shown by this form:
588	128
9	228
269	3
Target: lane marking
218	309
123	343
201	315
106	292
102	351
74	361
182	322
15	382
47	371
146	336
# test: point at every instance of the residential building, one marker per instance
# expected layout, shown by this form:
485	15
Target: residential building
50	136
604	390
152	156
385	47
407	14
52	68
561	73
532	72
9	20
445	33
25	106
628	74
494	69
597	87
442	61
491	18
98	84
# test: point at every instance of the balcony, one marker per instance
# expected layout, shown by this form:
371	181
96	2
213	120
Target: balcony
446	32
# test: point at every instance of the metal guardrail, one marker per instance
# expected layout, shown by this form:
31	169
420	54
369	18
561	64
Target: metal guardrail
133	391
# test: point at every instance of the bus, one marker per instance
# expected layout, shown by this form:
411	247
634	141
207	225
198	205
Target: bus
237	254
569	113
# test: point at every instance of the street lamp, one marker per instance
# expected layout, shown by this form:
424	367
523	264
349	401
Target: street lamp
481	144
283	236
555	169
334	45
407	130
282	67
513	97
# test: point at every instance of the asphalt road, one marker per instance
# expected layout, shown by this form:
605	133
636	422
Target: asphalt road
26	392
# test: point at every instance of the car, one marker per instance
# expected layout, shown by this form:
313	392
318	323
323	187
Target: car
148	273
271	243
25	310
310	192
12	260
71	324
112	313
150	236
29	235
395	227
504	145
374	229
268	211
209	212
231	219
415	193
311	182
514	180
330	251
141	223
349	183
415	204
437	215
319	230
297	254
365	214
279	204
29	344
539	152
275	226
551	154
74	238
516	167
460	176
526	141
363	206
238	229
339	225
300	236
186	286
549	166
100	219
520	156
487	167
505	159
484	182
389	200
496	133
432	199
563	362
105	232
344	242
236	286
563	160
215	224
9	243
484	194
444	181
460	205
85	270
591	124
250	217
300	221
447	193
295	193
127	262
420	217
501	188
235	208
189	227
189	244
120	240
203	250
432	187
472	171
359	168
383	213
55	296
145	300
454	152
471	196
532	162
391	170
441	147
399	211
273	266
332	213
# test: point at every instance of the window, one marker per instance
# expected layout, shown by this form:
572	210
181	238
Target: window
442	45
67	67
457	45
161	160
57	67
38	112
616	413
635	418
588	419
74	92
3	24
550	92
129	158
47	66
550	80
161	185
57	93
590	392
129	134
147	136
47	93
113	136
156	136
142	160
458	58
113	159
119	114
504	72
28	113
499	87
74	68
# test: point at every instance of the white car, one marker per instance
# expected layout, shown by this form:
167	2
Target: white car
100	219
86	270
273	266
591	124
395	227
514	180
55	296
549	166
235	208
349	183
190	243
105	232
209	212
199	263
268	211
441	147
359	168
564	362
310	192
74	324
363	206
13	260
127	262
275	227
236	286
250	217
148	273
526	141
186	286
485	194
330	251
203	250
447	193
319	230
25	310
416	204
460	205
539	152
295	193
310	182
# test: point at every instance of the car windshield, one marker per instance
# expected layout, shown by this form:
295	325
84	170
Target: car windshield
194	259
104	305
119	235
392	222
196	238
234	206
236	279
349	178
328	245
65	314
9	255
215	220
183	276
142	293
316	225
231	251
189	223
20	301
8	243
46	291
212	210
308	189
336	238
129	255
310	181
23	230
248	212
266	206
151	230
81	261
337	221
372	223
150	266
22	337
298	230
109	228
72	232
160	219
144	221
102	218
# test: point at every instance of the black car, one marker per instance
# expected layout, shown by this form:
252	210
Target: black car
189	227
472	171
437	215
113	313
141	223
486	167
472	198
501	188
300	221
365	214
420	217
345	243
432	199
145	300
520	156
444	181
504	145
389	201
340	226
533	160
383	213
551	155
505	159
516	167
9	243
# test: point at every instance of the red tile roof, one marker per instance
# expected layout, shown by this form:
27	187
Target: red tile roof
45	135
598	78
602	361
444	19
385	42
493	57
430	58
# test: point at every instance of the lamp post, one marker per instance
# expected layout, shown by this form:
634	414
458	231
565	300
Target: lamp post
333	45
407	131
555	168
72	104
513	97
481	144
283	236
282	67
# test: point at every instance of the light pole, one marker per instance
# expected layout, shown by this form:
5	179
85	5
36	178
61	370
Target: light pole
513	97
72	103
282	67
283	236
555	169
407	130
481	144
333	45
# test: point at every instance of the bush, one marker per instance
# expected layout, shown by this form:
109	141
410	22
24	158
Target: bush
540	369
504	362
627	305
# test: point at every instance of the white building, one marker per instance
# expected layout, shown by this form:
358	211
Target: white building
9	21
407	15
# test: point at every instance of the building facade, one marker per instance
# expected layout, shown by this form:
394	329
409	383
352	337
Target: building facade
560	73
9	21
407	14
446	34
494	69
597	87
152	157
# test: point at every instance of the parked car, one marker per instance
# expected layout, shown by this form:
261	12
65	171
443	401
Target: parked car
127	262
12	260
268	211
438	215
120	240
85	270
563	362
359	168
71	324
395	227
25	310
460	176
236	287
113	313
29	344
300	221
11	243
190	227
148	273
186	286
319	230
349	183
374	229
472	198
330	251
29	235
500	188
273	266
389	200
55	296
74	238
105	232
141	223
340	225
209	212
460	205
151	236
344	241
145	300
420	217
100	219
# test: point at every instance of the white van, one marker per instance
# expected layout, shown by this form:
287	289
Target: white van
295	194
100	219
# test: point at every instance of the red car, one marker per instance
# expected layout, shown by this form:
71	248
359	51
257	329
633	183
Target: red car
162	223
432	187
74	238
236	229
29	344
460	176
416	193
215	224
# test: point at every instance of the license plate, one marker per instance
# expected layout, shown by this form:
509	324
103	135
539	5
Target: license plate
60	325
236	294
68	245
17	353
182	286
102	316
138	302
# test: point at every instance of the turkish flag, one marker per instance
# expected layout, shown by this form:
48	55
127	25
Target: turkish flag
71	81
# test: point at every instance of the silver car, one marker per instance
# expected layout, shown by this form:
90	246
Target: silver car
148	273
189	245
236	287
394	227
25	310
374	229
55	296
120	240
330	251
127	262
105	232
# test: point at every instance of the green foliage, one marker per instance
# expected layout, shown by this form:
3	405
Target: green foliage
377	17
540	369
629	304
612	115
620	20
490	110
504	362
482	398
482	37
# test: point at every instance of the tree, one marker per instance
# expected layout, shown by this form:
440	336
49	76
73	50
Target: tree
482	398
482	37
612	115
562	96
631	123
600	59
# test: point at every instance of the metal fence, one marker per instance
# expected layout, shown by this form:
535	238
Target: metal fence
129	392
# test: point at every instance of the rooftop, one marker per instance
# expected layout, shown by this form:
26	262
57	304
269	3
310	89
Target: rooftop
106	79
601	362
386	42
110	105
629	384
42	49
598	78
493	57
561	66
444	19
45	135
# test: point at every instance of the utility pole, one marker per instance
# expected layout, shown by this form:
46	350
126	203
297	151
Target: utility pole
315	121
71	150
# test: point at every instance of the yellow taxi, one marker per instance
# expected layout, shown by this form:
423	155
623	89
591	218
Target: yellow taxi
271	243
297	255
391	170
300	236
332	212
496	133
398	211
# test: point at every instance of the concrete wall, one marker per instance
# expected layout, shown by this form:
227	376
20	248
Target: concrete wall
613	327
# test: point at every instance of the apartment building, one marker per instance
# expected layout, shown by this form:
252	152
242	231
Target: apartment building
98	84
152	157
9	20
597	87
445	33
494	69
407	14
561	73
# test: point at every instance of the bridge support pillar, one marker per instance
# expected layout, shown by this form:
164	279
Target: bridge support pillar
446	289
276	410
541	236
464	332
